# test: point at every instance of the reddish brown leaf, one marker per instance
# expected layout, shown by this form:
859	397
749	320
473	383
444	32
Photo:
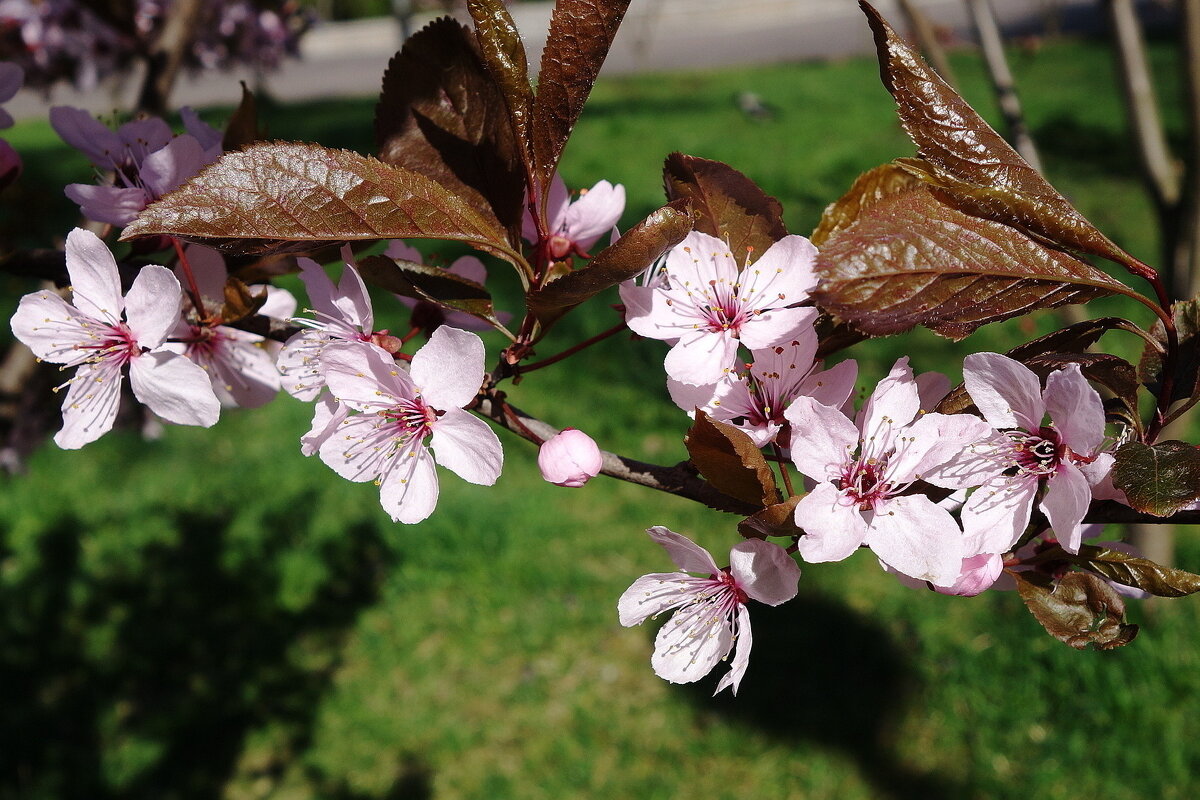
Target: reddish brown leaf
581	31
1140	573
725	203
966	157
1081	609
776	520
730	461
624	259
1186	383
441	114
432	284
240	302
1158	479
243	128
284	194
868	189
911	260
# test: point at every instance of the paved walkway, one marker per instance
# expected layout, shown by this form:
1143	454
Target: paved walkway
348	59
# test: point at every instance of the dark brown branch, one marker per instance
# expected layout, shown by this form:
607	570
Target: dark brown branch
680	480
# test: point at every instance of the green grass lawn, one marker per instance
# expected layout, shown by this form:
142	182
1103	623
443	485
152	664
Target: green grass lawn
211	615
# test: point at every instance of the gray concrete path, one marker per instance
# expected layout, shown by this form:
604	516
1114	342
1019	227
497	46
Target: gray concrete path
348	59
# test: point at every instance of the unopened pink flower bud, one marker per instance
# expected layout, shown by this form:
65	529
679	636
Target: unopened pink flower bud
570	459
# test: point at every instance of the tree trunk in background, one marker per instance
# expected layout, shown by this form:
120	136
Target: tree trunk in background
166	58
1186	281
927	40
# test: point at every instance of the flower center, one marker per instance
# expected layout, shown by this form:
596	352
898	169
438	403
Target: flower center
863	483
410	419
1037	453
559	246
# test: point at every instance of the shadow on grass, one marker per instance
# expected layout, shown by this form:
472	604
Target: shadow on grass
148	680
822	673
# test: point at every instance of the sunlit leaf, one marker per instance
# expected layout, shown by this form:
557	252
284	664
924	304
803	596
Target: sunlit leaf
441	114
730	461
775	520
581	31
1080	609
910	259
966	157
285	196
1141	573
868	189
725	204
1158	479
429	283
627	257
240	302
243	127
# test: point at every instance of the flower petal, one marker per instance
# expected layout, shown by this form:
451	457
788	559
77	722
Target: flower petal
448	370
995	515
166	168
594	213
691	643
467	446
776	326
781	276
328	414
174	388
741	653
833	529
364	376
53	328
915	536
1075	409
687	555
1006	392
88	135
91	404
95	282
111	205
1065	504
823	439
651	595
408	491
764	571
152	305
891	407
701	357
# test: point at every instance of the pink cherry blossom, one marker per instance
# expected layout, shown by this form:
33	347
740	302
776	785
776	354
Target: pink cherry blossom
575	226
570	458
709	305
755	398
146	159
1024	454
101	332
240	364
342	313
11	79
397	411
710	611
862	469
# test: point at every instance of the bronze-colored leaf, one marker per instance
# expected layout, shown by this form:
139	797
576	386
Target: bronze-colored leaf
730	461
429	283
243	127
1186	382
1080	609
867	190
504	54
283	196
776	520
441	113
627	257
1113	373
581	31
1140	573
966	157
240	302
725	204
1158	479
911	259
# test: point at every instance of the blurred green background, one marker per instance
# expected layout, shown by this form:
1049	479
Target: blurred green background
210	614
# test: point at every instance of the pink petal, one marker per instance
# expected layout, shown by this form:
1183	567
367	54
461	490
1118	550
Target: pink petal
142	136
687	555
408	491
651	595
777	326
700	259
931	388
352	299
152	305
1075	409
995	515
174	388
558	200
823	439
741	653
280	303
467	446
357	450
165	169
327	416
210	138
91	404
11	79
111	205
977	575
448	370
95	283
892	406
298	363
1066	503
208	268
701	357
319	287
569	458
88	135
469	267
975	465
932	441
691	643
833	528
764	571
650	313
51	327
364	376
1098	472
914	536
1006	392
594	213
690	397
834	386
783	275
243	373
399	250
